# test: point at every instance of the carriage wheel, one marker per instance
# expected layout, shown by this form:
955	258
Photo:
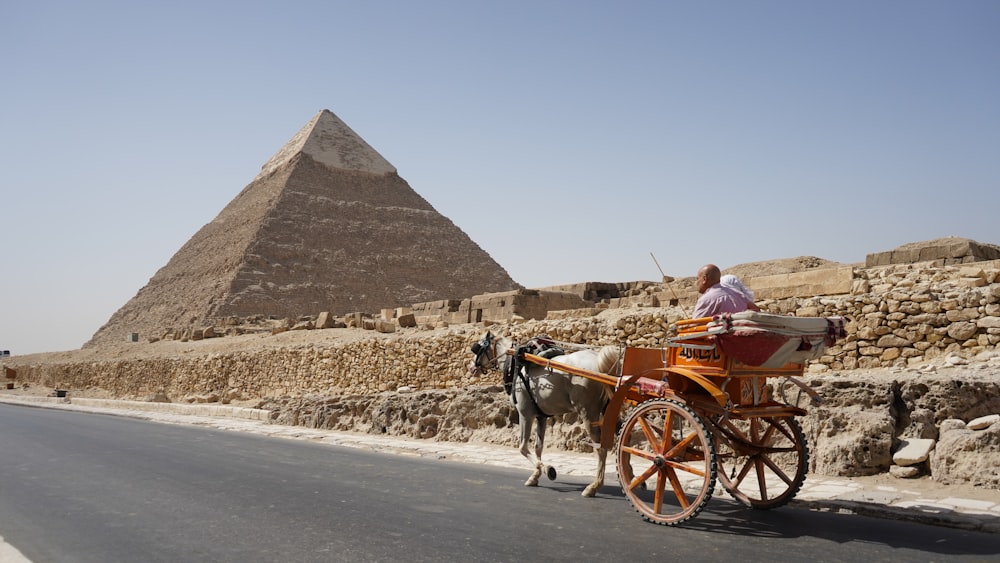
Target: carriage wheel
762	460
666	462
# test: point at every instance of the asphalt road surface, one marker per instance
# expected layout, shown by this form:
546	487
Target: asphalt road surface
89	487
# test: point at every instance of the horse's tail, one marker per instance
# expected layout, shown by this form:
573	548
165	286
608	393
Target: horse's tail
607	358
609	362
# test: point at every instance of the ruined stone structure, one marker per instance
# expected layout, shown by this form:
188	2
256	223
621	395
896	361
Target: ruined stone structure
946	251
327	225
899	317
503	306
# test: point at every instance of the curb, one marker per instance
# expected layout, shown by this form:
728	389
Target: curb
942	517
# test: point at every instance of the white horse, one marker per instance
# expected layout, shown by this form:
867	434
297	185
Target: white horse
538	392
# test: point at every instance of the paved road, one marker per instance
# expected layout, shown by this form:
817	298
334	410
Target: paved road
88	487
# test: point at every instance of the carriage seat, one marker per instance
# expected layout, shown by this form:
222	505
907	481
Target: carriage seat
772	341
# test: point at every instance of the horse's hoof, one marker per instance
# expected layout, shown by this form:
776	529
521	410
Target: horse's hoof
589	493
531	483
550	472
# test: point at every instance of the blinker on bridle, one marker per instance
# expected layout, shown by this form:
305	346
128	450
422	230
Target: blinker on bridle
482	347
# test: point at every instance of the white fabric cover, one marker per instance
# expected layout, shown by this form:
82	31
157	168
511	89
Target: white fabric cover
807	337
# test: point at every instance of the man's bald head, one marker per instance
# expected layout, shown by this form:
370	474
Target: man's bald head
708	275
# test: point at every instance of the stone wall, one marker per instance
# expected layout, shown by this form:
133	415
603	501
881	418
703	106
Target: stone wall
898	316
364	366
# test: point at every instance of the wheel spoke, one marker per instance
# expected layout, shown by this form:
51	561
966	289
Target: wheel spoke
638	481
690	469
761	479
668	434
778	471
649	432
678	488
639	453
681	445
658	494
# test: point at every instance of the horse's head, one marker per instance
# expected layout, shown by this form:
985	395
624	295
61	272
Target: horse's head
485	355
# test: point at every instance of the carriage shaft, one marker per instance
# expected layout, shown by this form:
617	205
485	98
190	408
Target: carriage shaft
604	378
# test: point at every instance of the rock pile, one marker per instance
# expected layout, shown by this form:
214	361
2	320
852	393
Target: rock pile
968	452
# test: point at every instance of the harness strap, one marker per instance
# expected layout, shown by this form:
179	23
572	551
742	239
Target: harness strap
527	387
519	364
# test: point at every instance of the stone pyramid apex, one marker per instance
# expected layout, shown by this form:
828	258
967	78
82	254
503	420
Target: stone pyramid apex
328	140
327	226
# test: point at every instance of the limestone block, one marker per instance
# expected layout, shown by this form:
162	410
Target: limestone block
892	341
889	354
324	320
988	322
968	457
964	314
407	320
850	440
930	307
913	451
859	287
962	330
907	472
878	259
972	282
983	422
971	272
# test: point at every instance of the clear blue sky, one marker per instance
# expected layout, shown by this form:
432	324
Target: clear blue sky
569	139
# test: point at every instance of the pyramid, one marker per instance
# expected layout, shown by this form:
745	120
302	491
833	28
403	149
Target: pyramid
327	225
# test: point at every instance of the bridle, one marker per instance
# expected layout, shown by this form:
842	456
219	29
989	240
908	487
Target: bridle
487	347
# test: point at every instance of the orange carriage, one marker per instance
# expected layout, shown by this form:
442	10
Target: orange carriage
719	402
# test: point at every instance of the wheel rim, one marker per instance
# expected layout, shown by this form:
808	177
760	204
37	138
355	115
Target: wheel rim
668	476
762	460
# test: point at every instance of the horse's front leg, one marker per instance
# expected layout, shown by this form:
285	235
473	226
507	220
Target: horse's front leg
525	426
539	445
598	482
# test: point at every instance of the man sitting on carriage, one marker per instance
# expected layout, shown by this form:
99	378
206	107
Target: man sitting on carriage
717	298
